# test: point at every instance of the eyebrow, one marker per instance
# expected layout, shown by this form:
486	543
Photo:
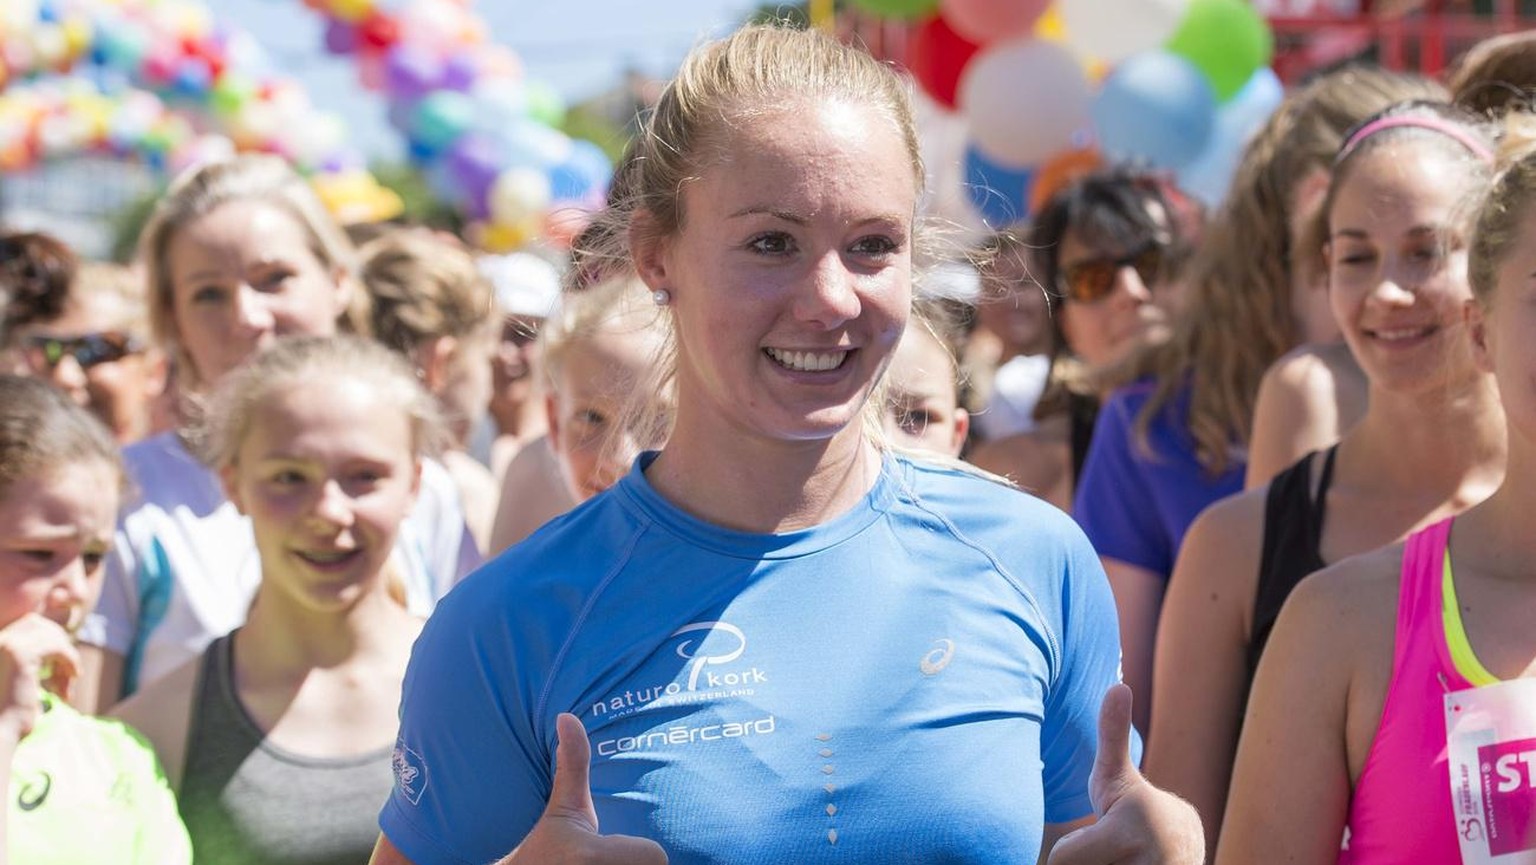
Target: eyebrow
798	219
1361	234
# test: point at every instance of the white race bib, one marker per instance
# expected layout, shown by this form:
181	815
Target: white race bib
1491	745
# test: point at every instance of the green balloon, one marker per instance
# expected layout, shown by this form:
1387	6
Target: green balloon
231	93
544	104
1225	39
442	117
899	8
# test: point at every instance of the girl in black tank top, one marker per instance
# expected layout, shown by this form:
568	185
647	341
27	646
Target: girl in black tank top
1293	537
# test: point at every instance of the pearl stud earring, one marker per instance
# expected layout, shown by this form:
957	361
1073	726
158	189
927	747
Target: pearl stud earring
661	297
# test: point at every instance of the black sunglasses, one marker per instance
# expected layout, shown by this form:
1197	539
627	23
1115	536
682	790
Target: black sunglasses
1092	280
46	352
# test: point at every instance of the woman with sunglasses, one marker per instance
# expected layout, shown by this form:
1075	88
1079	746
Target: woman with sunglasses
1173	441
1104	250
81	327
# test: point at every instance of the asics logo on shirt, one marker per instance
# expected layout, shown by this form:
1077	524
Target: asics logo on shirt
34	791
938	658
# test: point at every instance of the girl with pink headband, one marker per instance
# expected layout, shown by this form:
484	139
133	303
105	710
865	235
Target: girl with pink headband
1377	725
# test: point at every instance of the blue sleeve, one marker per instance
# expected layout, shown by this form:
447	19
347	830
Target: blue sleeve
1089	665
471	772
1114	502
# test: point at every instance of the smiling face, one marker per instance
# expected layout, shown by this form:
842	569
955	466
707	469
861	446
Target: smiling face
1397	266
241	276
790	278
55	531
590	409
325	493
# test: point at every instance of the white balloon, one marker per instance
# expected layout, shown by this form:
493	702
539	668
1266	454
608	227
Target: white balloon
1112	30
1026	100
517	194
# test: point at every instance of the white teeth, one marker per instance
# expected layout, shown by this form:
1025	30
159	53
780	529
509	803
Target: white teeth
1402	333
808	361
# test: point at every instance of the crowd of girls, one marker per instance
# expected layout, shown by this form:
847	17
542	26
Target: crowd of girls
798	543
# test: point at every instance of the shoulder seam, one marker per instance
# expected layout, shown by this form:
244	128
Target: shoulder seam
542	704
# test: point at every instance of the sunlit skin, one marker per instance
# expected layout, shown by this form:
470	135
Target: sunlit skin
1397	268
55	532
922	404
118	392
795	252
590	409
241	276
325	493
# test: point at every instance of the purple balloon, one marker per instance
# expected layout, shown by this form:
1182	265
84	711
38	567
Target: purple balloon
475	162
340	37
460	73
411	72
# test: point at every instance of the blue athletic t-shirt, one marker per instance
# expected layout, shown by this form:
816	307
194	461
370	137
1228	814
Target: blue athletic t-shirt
1136	506
917	680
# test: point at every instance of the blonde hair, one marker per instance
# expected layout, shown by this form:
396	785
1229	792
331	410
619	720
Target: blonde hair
758	70
297	360
42	430
422	288
1239	316
1504	205
199	191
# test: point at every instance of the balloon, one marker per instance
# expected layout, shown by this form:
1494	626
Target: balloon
411	72
340	37
544	104
1025	100
192	77
351	10
898	8
379	30
1155	107
518	194
936	57
1209	176
583	174
231	92
1227	40
440	118
1061	170
999	193
986	21
1113	30
459	73
475	161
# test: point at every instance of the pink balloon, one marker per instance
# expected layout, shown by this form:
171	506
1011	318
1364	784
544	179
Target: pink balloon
986	21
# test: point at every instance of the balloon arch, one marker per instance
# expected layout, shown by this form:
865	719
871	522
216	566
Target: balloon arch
164	82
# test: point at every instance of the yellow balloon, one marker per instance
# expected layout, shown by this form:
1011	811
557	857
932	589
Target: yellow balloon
351	10
499	237
77	36
1051	27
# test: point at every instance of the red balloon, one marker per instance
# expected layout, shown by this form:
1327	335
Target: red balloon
988	21
937	56
379	30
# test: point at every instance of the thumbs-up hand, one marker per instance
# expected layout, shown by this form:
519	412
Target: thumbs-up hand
567	833
1137	824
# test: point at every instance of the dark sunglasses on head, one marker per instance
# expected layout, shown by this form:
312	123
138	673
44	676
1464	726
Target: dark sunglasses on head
88	350
1092	280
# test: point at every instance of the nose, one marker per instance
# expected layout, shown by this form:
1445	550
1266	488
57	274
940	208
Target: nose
1393	292
333	506
253	310
70	593
830	297
69	376
1128	285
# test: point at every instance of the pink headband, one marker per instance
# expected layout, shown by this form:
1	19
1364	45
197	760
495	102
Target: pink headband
1444	127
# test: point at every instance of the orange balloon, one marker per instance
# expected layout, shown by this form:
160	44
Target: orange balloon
1059	171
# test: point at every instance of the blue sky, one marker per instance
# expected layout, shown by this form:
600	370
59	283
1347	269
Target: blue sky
579	47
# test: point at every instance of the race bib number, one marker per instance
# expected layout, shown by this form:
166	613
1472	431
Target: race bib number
1491	749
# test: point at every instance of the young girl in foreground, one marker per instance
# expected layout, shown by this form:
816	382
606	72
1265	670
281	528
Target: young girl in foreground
277	738
60	482
1360	712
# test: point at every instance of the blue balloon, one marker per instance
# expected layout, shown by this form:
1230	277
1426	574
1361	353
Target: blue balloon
998	192
1157	108
1209	176
584	172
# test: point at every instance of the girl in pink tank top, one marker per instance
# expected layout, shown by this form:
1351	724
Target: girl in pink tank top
1376	733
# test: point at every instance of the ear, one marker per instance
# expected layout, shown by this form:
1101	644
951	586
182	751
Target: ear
435	359
415	478
346	289
228	478
552	420
962	430
1482	338
648	251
